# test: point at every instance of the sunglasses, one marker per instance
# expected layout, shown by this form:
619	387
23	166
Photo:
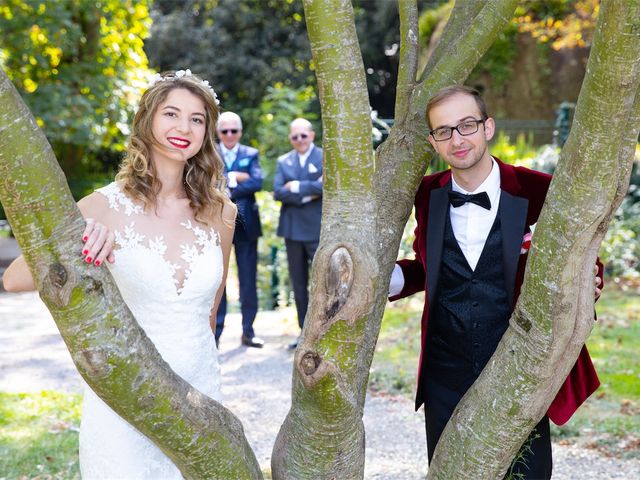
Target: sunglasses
301	136
228	131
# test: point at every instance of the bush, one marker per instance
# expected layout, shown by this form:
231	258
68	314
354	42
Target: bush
620	250
273	275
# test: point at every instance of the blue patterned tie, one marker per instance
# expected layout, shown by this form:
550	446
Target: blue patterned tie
229	158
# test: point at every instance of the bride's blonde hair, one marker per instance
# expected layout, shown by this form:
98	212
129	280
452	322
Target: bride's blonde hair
203	177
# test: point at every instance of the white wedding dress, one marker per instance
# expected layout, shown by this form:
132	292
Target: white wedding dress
168	277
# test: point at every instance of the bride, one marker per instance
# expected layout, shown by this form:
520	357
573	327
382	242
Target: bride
164	228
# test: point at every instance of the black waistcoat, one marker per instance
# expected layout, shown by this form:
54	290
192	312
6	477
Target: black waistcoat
470	314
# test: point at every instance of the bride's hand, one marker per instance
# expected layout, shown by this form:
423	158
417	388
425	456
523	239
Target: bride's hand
98	243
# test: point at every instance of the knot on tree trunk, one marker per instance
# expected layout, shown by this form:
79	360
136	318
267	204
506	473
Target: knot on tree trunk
57	275
338	281
521	320
58	284
312	368
310	362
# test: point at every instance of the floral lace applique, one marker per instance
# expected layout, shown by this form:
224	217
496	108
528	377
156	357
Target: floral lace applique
131	239
117	198
190	253
202	238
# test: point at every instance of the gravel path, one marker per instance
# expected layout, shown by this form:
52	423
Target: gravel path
256	387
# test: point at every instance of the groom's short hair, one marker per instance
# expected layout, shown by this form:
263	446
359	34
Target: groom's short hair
452	90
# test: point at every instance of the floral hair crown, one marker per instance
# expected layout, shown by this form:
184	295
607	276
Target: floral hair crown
179	74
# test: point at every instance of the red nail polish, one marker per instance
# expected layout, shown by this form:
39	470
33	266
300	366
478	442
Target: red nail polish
88	259
98	262
84	239
84	252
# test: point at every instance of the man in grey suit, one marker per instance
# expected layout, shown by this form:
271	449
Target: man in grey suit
298	185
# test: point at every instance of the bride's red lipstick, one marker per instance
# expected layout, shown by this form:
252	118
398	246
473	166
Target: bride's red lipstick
179	142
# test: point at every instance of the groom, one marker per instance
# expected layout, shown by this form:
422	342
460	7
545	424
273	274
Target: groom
470	259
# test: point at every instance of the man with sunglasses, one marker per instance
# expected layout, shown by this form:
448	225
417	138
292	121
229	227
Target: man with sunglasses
473	224
244	179
298	185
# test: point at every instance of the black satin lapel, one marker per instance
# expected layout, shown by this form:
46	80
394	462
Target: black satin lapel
513	215
438	210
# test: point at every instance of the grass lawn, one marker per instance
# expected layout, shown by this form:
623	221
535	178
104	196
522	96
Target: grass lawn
39	435
609	421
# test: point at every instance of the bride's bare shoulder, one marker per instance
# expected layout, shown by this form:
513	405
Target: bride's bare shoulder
94	205
229	213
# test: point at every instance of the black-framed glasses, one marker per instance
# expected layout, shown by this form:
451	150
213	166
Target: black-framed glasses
468	127
302	136
228	131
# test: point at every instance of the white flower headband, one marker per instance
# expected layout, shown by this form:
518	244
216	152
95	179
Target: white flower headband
179	74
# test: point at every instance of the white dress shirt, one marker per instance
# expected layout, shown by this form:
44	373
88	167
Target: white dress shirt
471	224
229	157
295	184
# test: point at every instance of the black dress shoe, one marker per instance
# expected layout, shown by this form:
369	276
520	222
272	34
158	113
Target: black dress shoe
293	345
255	342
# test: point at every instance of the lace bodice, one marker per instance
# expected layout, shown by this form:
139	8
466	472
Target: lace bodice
168	273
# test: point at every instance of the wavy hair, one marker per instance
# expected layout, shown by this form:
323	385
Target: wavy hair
203	176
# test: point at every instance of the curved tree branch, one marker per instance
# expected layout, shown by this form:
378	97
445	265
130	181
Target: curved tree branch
408	62
473	39
462	16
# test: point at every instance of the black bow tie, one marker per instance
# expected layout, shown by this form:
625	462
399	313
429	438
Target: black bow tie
457	199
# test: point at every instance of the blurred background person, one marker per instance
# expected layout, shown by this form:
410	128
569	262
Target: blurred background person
298	185
244	179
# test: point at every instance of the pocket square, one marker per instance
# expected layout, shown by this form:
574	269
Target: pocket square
526	240
244	162
312	168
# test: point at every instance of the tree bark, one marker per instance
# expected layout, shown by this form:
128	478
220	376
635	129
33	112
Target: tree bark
554	315
323	433
110	350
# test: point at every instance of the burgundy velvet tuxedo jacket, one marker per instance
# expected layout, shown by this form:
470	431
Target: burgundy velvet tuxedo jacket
522	197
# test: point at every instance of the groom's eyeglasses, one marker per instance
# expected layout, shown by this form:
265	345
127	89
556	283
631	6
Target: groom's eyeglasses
228	131
466	128
300	136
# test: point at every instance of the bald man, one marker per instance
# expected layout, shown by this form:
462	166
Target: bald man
298	185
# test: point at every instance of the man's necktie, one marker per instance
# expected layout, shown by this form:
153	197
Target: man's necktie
229	158
457	199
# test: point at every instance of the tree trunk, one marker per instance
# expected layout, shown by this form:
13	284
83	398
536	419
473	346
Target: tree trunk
110	350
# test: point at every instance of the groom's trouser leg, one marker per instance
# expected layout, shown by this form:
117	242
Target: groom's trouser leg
536	460
440	402
438	407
